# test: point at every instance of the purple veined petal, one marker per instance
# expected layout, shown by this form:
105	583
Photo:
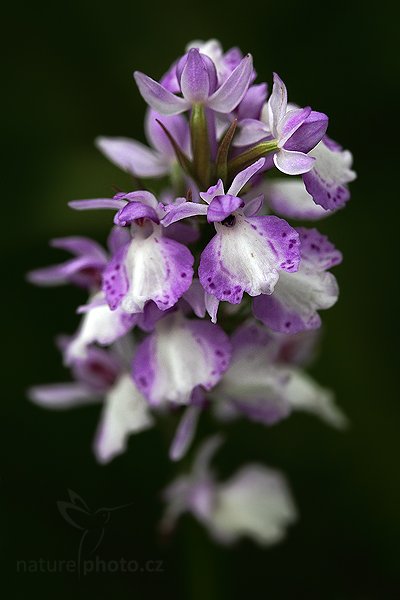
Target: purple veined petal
179	356
135	210
293	163
117	238
328	179
115	280
317	252
223	206
150	268
183	211
80	245
185	433
250	132
60	396
253	101
232	91
247	257
132	156
207	63
142	196
67	272
291	122
309	133
177	126
125	412
195	297
97	203
297	298
158	97
212	305
252	206
213	191
244	176
277	104
194	81
289	199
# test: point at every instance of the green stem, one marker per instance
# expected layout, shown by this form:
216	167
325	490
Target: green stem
250	156
200	144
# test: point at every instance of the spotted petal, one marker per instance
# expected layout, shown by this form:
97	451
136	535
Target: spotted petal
289	198
247	257
327	180
179	356
149	268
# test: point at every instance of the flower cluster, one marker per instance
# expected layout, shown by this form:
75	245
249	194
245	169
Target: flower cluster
207	298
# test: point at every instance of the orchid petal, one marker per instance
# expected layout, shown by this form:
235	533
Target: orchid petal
183	211
62	395
277	104
97	203
158	97
213	191
195	84
232	91
222	206
132	156
244	176
293	163
125	412
185	433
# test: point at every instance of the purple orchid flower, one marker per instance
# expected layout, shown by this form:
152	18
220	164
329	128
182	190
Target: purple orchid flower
265	384
290	199
327	180
299	296
198	83
140	160
100	377
150	266
296	131
180	355
84	270
255	502
247	252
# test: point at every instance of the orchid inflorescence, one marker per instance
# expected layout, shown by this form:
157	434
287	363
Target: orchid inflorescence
206	298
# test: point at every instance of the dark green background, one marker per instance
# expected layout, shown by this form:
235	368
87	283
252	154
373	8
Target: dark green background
67	78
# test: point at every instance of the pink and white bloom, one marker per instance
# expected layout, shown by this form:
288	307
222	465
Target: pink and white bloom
255	502
248	252
143	161
150	266
101	378
265	382
298	297
198	83
180	355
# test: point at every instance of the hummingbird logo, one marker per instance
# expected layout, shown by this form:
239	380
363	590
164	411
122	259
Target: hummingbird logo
92	523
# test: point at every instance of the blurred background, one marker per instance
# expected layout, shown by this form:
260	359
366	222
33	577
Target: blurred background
67	78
